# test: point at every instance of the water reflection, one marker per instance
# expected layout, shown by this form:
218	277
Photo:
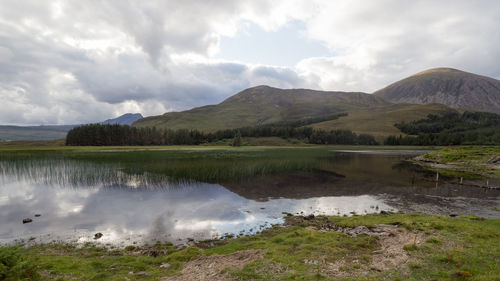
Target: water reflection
199	211
78	198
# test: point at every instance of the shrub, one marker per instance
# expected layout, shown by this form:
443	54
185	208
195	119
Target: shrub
13	266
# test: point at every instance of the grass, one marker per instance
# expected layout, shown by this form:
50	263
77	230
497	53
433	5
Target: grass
456	249
32	144
467	159
200	164
167	163
379	122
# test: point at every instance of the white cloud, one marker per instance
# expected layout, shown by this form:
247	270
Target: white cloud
83	61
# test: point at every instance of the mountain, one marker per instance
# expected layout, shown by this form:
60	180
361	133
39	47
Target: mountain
25	133
264	104
125	119
53	132
446	86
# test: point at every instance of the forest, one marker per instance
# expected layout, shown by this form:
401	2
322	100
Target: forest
481	128
102	135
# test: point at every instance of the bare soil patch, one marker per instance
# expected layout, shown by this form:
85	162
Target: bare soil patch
210	267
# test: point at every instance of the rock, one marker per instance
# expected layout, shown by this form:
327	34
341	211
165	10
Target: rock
130	272
98	235
38	215
310	217
494	160
311	261
165	265
143	273
359	230
27	220
453	215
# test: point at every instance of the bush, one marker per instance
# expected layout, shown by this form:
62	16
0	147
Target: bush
13	266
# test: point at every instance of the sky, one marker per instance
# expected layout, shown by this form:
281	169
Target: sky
72	62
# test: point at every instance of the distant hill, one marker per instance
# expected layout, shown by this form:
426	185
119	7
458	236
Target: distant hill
446	86
27	133
53	132
125	119
264	105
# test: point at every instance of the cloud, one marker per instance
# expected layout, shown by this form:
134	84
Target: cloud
65	62
378	42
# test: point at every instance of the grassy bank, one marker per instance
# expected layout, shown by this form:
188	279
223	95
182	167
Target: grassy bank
371	247
464	160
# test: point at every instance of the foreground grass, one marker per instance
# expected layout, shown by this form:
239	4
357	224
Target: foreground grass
462	248
480	160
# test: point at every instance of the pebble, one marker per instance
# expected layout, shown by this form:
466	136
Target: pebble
165	265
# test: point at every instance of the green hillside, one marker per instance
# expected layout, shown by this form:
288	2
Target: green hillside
264	105
380	121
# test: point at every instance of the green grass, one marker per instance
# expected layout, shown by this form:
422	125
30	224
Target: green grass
456	249
203	164
467	159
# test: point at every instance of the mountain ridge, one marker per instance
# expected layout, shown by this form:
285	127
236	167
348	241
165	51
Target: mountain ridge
451	87
263	104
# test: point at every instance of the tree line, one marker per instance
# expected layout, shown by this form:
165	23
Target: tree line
481	128
106	134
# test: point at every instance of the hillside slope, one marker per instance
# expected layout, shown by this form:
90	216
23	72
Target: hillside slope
379	122
446	86
261	105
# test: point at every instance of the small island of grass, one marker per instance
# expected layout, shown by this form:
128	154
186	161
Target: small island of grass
481	161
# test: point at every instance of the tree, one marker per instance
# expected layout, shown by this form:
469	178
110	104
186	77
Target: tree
237	139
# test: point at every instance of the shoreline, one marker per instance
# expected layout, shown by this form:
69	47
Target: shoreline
384	246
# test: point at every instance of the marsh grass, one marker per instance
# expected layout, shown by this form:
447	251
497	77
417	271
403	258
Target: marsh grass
155	168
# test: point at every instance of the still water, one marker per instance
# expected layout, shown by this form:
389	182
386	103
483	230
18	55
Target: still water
145	199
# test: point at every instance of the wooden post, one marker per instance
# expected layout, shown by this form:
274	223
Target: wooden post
437	176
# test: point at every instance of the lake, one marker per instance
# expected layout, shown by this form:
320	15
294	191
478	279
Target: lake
144	196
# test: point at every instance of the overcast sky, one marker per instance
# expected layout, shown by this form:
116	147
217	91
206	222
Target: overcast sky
68	62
